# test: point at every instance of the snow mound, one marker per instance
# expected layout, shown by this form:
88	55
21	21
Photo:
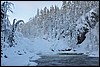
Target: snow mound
20	54
42	46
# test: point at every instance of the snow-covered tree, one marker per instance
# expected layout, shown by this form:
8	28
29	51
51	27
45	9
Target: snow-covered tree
11	36
87	30
61	23
5	23
8	30
45	10
37	12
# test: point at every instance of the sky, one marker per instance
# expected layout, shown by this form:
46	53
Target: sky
23	10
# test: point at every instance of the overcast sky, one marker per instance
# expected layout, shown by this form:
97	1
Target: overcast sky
26	9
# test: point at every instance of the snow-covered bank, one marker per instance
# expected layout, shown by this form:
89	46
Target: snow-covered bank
94	54
18	60
42	46
20	54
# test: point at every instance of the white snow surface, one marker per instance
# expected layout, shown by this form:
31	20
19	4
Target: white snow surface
29	50
23	47
42	46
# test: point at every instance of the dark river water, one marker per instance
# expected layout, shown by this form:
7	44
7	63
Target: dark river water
67	60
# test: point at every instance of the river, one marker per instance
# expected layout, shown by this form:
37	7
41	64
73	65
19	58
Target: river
67	60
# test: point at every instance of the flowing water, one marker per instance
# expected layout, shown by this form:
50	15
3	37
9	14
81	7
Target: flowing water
67	60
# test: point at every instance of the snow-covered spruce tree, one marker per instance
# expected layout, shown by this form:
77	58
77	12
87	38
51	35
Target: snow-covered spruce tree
93	20
88	31
5	23
37	12
88	21
11	36
59	23
7	30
